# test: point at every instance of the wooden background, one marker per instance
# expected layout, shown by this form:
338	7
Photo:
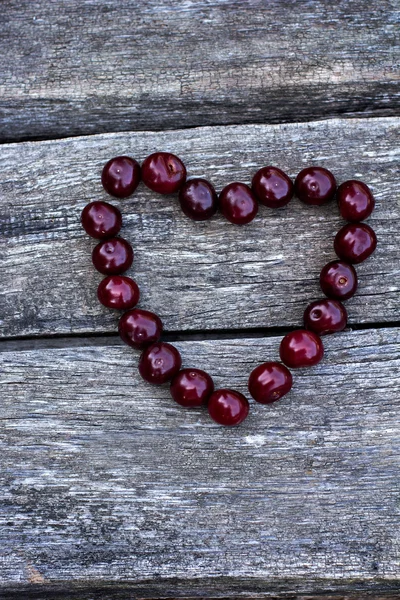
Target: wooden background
107	488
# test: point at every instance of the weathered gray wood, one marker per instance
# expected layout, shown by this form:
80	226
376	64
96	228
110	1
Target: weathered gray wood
69	68
104	479
125	592
211	275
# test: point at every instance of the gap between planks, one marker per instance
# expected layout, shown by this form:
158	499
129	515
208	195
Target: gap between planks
112	339
373	113
125	592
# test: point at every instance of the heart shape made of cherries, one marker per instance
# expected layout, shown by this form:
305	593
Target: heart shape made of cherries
160	362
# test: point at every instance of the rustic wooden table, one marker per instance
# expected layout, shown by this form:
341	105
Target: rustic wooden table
108	489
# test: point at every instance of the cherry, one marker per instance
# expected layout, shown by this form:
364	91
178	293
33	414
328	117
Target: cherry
355	200
301	348
228	407
355	242
325	316
121	176
338	280
198	199
315	185
118	291
269	382
112	256
191	387
101	220
238	204
272	187
159	363
163	172
139	328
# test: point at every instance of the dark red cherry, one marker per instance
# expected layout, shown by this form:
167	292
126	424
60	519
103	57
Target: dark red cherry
163	172
272	187
121	176
191	387
228	407
355	242
355	200
101	220
301	348
325	316
238	204
118	291
112	256
269	382
159	363
139	328
338	280
198	199
315	185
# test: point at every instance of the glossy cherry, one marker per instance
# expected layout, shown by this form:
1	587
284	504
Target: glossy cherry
315	185
238	204
338	280
355	242
121	176
163	172
198	199
118	291
139	328
191	387
112	256
272	187
269	382
301	348
101	220
355	200
325	316
159	363
228	407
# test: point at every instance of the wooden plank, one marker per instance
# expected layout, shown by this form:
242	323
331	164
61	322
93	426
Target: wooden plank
117	591
127	592
104	479
197	276
73	68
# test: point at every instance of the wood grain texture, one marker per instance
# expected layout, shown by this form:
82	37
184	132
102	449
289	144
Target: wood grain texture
115	591
104	479
73	68
196	276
